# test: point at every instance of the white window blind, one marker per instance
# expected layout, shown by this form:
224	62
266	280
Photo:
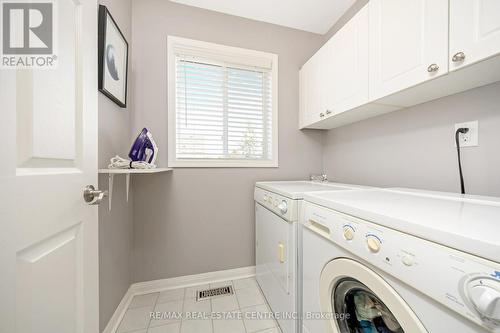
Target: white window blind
223	111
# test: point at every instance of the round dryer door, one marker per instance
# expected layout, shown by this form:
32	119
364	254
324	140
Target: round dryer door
361	301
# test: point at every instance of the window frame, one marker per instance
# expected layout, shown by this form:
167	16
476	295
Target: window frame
242	56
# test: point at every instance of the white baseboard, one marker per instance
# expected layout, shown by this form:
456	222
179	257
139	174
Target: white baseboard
192	280
147	287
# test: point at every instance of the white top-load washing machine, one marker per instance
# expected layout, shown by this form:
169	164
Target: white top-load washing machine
399	260
277	206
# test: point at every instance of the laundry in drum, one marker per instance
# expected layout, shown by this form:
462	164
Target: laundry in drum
142	155
373	316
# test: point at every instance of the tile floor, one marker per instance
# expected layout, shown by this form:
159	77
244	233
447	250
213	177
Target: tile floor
238	313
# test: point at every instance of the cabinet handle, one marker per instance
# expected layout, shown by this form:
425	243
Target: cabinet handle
433	68
328	112
457	57
321	114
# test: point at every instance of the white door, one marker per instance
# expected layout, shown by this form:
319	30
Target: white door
349	62
275	262
408	44
474	31
48	235
273	256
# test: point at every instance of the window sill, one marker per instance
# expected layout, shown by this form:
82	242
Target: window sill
223	164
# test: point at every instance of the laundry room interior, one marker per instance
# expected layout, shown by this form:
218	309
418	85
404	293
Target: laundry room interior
270	167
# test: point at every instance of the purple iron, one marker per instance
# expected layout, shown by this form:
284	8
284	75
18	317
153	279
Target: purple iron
144	148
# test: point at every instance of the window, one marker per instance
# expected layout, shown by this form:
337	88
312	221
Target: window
222	106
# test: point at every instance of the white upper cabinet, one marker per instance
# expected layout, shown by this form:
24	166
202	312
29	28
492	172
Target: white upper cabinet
349	58
474	31
335	79
310	94
394	54
408	44
314	87
303	73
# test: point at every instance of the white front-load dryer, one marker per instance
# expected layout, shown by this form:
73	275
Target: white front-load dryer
359	277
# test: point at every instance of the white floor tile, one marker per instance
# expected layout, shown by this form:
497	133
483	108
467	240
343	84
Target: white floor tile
181	313
169	311
135	319
271	330
191	291
192	306
221	284
249	297
244	283
143	300
255	318
170	328
229	326
224	304
196	326
171	295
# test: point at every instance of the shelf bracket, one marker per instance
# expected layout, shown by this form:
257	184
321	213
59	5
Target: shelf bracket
110	189
127	172
127	183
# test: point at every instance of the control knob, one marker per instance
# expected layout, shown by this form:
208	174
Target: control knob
283	207
408	260
373	244
484	293
348	233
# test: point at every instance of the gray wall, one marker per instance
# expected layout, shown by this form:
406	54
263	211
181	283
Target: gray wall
198	220
115	227
415	147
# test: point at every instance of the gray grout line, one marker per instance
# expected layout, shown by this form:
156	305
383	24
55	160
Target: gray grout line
239	306
154	307
182	309
211	309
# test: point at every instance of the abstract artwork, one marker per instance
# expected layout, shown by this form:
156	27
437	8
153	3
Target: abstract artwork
113	59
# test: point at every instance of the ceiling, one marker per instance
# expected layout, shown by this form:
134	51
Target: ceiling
316	16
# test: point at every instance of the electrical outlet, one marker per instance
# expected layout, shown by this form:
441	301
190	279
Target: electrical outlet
471	138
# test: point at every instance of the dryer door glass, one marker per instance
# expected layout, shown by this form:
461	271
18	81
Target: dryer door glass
359	310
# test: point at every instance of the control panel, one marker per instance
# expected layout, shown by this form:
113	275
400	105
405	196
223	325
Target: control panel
464	283
280	205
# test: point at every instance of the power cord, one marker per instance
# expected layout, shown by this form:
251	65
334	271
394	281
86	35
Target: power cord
459	131
118	162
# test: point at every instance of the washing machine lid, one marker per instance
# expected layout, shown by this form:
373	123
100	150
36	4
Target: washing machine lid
466	223
296	189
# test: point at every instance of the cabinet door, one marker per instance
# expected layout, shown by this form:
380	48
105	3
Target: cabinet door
408	43
312	87
303	75
474	31
349	65
308	92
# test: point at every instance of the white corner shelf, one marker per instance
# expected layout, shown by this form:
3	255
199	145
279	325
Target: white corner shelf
127	172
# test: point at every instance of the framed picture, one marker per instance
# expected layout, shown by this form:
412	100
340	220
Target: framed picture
113	59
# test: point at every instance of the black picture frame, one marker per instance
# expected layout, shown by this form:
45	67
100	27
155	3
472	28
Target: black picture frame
104	14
